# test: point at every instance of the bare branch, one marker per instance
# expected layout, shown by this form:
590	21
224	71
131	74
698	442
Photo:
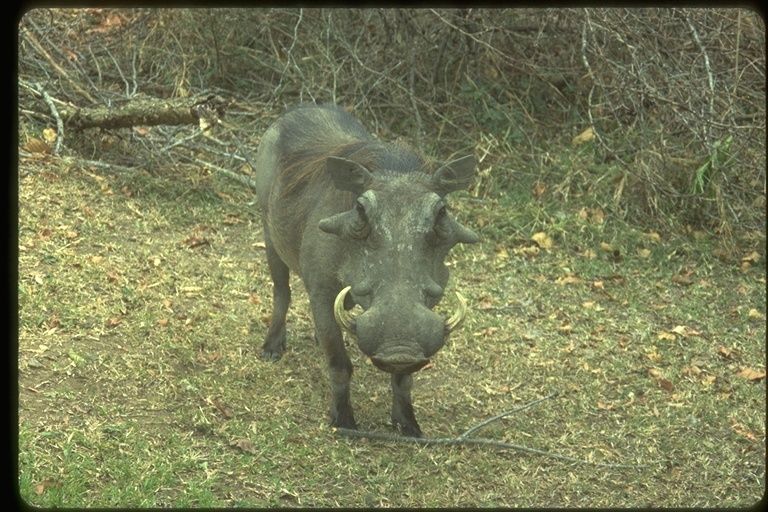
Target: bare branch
55	113
463	439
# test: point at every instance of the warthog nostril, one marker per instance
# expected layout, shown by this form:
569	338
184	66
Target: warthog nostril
362	289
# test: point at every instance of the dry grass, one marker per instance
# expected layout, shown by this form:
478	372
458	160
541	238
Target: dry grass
140	382
674	98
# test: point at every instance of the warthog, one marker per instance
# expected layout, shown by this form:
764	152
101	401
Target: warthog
361	222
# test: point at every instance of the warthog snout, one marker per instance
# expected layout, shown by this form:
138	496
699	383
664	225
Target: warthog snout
405	343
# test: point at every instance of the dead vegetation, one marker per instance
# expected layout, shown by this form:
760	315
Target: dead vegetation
672	101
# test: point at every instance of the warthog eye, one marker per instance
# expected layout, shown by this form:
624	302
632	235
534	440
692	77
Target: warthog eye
361	228
361	210
439	231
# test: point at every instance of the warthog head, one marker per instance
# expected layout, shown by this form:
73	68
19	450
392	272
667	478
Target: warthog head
396	239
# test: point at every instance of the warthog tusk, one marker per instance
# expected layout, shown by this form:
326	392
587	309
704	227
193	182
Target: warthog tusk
344	319
458	317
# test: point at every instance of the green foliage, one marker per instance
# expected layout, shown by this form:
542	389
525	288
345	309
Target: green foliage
717	161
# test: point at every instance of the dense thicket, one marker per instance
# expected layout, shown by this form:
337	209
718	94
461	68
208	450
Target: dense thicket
669	103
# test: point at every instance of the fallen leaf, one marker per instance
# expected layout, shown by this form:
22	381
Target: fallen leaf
528	252
35	145
486	302
655	357
542	240
652	235
244	444
606	247
194	241
46	484
725	352
753	313
585	136
225	411
50	135
644	253
754	257
666	336
539	189
604	406
686	281
568	280
665	384
744	432
748	373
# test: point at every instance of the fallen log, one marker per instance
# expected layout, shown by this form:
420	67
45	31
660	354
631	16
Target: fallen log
146	111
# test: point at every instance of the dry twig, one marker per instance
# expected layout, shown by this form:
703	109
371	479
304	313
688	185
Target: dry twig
464	439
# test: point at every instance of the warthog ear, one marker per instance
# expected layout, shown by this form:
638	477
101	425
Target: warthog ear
348	175
456	175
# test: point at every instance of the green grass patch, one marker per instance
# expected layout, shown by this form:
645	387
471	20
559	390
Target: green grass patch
143	303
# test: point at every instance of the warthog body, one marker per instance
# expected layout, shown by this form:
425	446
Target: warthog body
362	222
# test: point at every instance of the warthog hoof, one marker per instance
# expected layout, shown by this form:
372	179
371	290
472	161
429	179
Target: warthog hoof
271	355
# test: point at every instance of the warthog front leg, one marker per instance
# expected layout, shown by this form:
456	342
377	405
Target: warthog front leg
274	343
329	336
402	408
